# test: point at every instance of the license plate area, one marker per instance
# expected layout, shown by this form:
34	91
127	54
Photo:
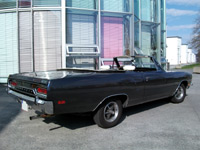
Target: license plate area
24	105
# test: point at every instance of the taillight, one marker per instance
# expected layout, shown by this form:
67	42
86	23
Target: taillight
13	83
61	102
42	91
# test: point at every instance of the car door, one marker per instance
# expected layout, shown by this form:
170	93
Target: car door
155	85
154	78
135	87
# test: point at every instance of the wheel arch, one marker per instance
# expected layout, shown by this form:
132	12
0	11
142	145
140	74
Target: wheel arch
184	82
122	97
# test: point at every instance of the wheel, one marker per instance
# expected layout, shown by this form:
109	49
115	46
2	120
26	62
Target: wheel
180	94
109	114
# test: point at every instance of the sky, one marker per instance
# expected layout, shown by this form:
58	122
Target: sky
181	15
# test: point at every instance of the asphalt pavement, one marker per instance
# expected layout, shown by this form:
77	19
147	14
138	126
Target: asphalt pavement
158	125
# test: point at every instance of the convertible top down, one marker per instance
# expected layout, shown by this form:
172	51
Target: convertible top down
125	82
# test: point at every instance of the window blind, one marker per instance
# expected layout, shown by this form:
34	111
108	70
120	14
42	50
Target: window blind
47	40
88	4
112	36
81	30
8	45
25	42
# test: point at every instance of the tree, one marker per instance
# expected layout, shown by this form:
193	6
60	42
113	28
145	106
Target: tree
195	42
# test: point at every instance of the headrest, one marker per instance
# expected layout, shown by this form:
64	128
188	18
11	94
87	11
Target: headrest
128	68
105	67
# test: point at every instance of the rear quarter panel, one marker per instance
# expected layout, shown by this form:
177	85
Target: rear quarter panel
83	93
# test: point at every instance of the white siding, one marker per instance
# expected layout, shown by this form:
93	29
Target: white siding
8	45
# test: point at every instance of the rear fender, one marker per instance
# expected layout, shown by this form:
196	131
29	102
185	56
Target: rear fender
122	96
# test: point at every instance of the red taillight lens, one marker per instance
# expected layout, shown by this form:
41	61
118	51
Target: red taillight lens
42	91
61	102
13	83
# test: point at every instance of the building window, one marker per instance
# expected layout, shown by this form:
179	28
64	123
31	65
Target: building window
127	48
146	39
81	29
47	40
82	32
25	42
136	35
87	4
7	4
148	10
115	5
8	45
112	37
137	8
24	3
88	62
46	3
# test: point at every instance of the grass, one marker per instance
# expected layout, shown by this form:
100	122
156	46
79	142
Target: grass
191	66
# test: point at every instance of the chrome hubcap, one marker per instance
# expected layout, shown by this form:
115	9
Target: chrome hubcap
111	111
180	93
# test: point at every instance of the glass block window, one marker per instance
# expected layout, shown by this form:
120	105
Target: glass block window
112	37
24	3
46	3
87	4
6	4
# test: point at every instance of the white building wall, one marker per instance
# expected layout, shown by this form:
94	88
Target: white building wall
193	58
173	52
184	49
189	55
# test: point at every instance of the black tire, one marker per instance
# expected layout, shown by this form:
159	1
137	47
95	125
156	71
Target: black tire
109	114
180	94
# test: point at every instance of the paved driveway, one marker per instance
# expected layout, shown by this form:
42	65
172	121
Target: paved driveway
157	125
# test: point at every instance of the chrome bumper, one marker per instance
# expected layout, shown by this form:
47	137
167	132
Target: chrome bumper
34	103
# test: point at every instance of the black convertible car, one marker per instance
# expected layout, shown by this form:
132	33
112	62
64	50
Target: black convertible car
126	82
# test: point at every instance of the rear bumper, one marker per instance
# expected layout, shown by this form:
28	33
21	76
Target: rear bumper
34	103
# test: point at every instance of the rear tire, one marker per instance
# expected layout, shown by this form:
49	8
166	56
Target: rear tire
180	94
109	114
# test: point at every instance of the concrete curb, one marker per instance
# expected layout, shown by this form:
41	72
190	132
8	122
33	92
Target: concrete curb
196	70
